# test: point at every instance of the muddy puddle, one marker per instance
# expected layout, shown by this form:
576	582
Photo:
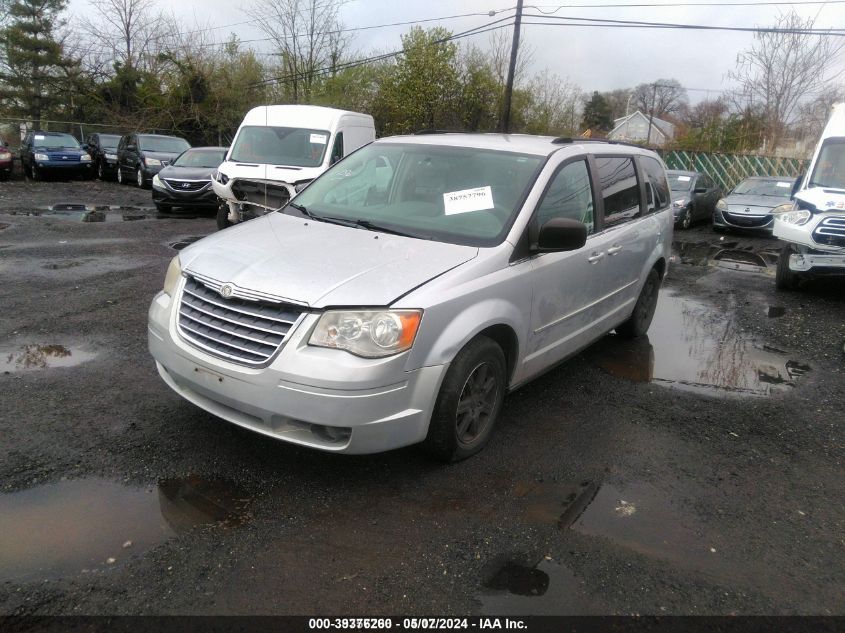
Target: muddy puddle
87	525
32	357
546	588
102	213
730	255
696	347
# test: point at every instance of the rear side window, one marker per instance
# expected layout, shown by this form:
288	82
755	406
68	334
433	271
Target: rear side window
569	196
619	189
657	187
337	149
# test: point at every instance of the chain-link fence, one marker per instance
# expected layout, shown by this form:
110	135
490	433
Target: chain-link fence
729	169
13	130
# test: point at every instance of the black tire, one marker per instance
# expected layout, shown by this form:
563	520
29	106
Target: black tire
139	179
34	174
223	216
101	170
469	402
163	208
119	175
640	320
686	219
786	279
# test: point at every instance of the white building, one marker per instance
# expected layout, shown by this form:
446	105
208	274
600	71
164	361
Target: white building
634	127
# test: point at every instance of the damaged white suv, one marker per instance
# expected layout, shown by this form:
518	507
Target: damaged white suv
401	295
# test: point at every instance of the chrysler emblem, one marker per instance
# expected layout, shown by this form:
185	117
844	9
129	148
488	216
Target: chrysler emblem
226	291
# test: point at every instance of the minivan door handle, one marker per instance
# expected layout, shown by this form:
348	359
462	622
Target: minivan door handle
595	257
614	249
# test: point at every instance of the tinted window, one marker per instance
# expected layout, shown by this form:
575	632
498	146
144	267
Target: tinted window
569	196
657	187
337	149
108	141
619	189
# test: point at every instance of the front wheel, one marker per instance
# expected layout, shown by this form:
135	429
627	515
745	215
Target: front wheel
139	178
686	221
469	402
101	171
119	175
34	174
223	216
640	320
785	278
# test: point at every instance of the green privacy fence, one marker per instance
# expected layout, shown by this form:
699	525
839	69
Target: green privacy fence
729	169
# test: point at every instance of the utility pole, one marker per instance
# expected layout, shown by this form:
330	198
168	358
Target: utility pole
651	112
506	106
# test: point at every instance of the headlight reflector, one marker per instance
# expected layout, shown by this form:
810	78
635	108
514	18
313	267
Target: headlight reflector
174	274
150	162
679	203
367	333
157	182
789	214
42	157
111	156
721	205
85	158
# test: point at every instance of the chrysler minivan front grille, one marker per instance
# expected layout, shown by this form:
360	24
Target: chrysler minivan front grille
236	329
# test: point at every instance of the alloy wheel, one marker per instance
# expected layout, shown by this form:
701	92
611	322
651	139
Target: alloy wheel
476	403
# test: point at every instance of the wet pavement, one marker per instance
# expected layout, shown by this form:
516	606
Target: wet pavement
696	471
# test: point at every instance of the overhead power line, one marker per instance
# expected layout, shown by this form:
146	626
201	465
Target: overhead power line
641	5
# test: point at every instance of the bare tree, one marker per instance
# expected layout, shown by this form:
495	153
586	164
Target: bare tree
500	54
783	69
307	37
127	27
554	106
664	96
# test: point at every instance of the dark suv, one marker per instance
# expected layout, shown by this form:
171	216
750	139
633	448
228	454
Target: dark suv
103	150
57	152
141	156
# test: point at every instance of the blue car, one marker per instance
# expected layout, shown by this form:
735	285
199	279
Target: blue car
54	152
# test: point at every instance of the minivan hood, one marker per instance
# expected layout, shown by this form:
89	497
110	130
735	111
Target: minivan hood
321	264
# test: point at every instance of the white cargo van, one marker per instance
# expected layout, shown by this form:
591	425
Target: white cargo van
278	150
813	226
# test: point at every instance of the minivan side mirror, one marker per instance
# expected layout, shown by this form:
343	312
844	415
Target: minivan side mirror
561	234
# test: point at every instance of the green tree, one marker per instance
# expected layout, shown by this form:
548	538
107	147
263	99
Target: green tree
597	114
423	89
34	68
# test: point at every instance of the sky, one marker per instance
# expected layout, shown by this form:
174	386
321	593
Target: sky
593	58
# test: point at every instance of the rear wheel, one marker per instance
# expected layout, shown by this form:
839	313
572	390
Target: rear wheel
786	279
640	320
469	402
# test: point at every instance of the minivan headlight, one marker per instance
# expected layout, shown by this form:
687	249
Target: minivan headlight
367	333
174	274
789	214
151	162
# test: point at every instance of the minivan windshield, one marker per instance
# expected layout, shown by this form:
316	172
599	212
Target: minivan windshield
830	166
166	144
54	141
775	187
210	158
283	146
460	195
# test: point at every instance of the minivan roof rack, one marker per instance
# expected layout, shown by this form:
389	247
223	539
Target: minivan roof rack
433	131
566	140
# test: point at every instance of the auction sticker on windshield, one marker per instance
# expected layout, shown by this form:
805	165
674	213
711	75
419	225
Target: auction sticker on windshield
318	139
467	200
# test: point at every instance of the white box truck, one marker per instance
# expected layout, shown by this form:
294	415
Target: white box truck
278	150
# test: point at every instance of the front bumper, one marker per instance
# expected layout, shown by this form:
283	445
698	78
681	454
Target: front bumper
61	165
742	223
321	398
203	198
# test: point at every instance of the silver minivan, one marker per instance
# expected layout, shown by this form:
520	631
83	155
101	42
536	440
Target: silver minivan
399	297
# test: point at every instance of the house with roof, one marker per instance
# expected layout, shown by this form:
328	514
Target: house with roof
634	127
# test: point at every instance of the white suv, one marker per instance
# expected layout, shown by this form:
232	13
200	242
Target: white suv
406	290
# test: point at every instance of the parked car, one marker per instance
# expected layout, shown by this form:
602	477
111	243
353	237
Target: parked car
407	289
103	151
812	228
694	197
6	160
53	152
186	182
141	156
750	204
278	150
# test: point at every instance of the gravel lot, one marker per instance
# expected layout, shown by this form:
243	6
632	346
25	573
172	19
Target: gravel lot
698	472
